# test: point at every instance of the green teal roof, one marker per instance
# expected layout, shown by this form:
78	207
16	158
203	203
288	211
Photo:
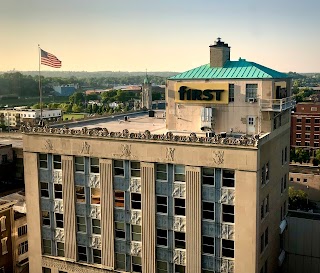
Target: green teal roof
231	70
146	80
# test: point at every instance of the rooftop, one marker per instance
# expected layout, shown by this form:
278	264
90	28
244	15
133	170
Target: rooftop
140	126
240	69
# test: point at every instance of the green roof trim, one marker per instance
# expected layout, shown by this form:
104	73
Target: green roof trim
231	70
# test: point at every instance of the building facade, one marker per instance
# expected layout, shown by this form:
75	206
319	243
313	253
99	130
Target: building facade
305	126
146	94
17	116
205	194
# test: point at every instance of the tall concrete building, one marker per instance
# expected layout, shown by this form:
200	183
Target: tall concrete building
203	191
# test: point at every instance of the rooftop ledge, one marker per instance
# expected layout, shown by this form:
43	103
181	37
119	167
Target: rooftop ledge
229	139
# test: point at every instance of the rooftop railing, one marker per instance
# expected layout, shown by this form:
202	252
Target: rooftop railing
277	105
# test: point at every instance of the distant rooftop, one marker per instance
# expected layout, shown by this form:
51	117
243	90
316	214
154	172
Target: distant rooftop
240	69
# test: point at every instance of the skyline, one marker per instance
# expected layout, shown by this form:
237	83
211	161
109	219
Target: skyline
158	36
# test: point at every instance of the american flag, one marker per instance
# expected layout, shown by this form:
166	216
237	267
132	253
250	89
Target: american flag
49	59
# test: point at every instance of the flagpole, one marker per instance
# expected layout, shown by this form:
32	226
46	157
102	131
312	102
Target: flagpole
40	89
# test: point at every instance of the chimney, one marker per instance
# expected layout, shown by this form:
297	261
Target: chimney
219	53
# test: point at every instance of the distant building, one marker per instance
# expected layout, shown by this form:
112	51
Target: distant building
14	117
146	94
305	126
66	89
306	178
13	234
6	164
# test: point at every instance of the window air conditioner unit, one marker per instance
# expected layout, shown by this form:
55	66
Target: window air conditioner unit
251	100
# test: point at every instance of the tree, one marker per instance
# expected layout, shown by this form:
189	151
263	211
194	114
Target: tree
76	108
301	155
89	109
77	98
298	199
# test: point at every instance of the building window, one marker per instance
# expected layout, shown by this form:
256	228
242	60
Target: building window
298	135
307	136
162	267
162	204
60	249
179	173
96	226
94	165
308	120
80	194
228	178
81	224
208	176
23	248
317	129
22	230
82	253
120	231
298	143
179	206
179	268
308	128
298	120
119	199
207	210
95	196
231	92
316	144
136	264
317	120
44	189
162	173
316	136
120	261
264	208
136	233
46	247
4	245
286	154
43	161
45	218
46	270
96	254
264	240
265	174
307	143
58	191
251	92
207	245
3	223
79	164
57	162
179	240
298	128
59	220
118	166
135	169
162	237
135	200
227	248
227	213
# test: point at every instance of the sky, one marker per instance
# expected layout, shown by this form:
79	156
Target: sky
163	35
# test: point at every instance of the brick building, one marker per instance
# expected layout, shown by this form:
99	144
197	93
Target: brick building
305	125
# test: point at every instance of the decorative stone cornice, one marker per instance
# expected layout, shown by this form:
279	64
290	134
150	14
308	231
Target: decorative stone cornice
125	134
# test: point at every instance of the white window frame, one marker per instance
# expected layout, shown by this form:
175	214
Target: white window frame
162	172
23	248
4	246
3	223
81	224
76	164
118	167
